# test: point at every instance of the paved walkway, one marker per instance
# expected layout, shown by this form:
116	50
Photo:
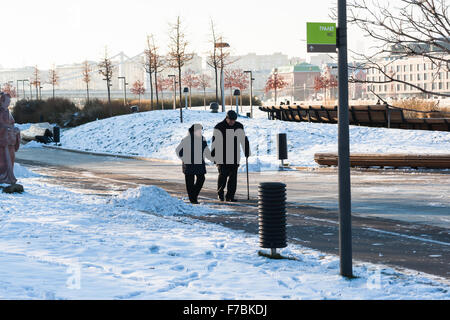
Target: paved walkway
394	221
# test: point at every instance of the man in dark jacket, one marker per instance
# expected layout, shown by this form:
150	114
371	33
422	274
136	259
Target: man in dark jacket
192	150
228	139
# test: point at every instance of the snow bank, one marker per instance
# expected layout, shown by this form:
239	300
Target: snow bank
158	201
156	135
32	144
23	173
23	127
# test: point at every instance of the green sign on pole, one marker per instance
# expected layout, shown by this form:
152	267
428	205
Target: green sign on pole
321	37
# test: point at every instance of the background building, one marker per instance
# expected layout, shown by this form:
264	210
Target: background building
300	79
416	70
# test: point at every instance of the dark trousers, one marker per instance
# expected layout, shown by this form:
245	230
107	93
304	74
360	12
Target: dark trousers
194	186
227	178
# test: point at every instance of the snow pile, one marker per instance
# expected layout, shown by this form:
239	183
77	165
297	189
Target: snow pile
32	144
23	173
158	201
156	135
57	244
23	127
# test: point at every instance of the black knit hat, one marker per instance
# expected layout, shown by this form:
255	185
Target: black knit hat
195	127
232	115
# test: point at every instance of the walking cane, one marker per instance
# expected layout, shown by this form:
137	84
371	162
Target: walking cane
247	154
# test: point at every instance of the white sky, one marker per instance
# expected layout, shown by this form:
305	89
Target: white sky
48	32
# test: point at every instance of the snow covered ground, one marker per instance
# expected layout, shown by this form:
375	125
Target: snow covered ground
156	135
58	244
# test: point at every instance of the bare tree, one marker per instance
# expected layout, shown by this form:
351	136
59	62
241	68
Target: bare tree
214	59
36	80
87	77
275	83
159	63
413	28
204	83
138	89
149	66
106	69
178	55
53	79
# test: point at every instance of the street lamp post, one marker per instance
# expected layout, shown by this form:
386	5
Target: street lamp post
222	45
17	82
124	89
345	218
237	93
186	91
31	92
251	92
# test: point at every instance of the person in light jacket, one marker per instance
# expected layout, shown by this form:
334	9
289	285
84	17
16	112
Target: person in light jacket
193	150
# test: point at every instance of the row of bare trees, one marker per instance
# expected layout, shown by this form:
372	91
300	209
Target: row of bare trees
36	82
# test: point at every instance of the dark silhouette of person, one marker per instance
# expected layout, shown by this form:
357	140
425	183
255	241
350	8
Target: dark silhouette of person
228	139
192	151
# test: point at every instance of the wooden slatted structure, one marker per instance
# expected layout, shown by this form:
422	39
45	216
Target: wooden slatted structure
435	161
370	116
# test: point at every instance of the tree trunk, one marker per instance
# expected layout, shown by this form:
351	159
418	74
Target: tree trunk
204	97
179	87
109	98
151	90
217	84
87	92
190	97
156	88
53	89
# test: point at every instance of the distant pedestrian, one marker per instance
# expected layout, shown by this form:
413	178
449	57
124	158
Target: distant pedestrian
193	150
228	139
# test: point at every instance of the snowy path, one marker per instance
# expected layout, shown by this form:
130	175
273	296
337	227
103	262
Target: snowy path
56	244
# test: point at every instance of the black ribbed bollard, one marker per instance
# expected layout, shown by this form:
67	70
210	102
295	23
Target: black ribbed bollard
272	216
56	134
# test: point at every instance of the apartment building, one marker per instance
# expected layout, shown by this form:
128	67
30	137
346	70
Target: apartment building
418	71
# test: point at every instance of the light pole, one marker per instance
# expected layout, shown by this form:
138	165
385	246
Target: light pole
124	89
17	82
174	91
237	93
251	92
186	91
31	92
222	45
345	218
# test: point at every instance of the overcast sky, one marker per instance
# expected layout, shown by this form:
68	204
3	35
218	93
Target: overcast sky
48	32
